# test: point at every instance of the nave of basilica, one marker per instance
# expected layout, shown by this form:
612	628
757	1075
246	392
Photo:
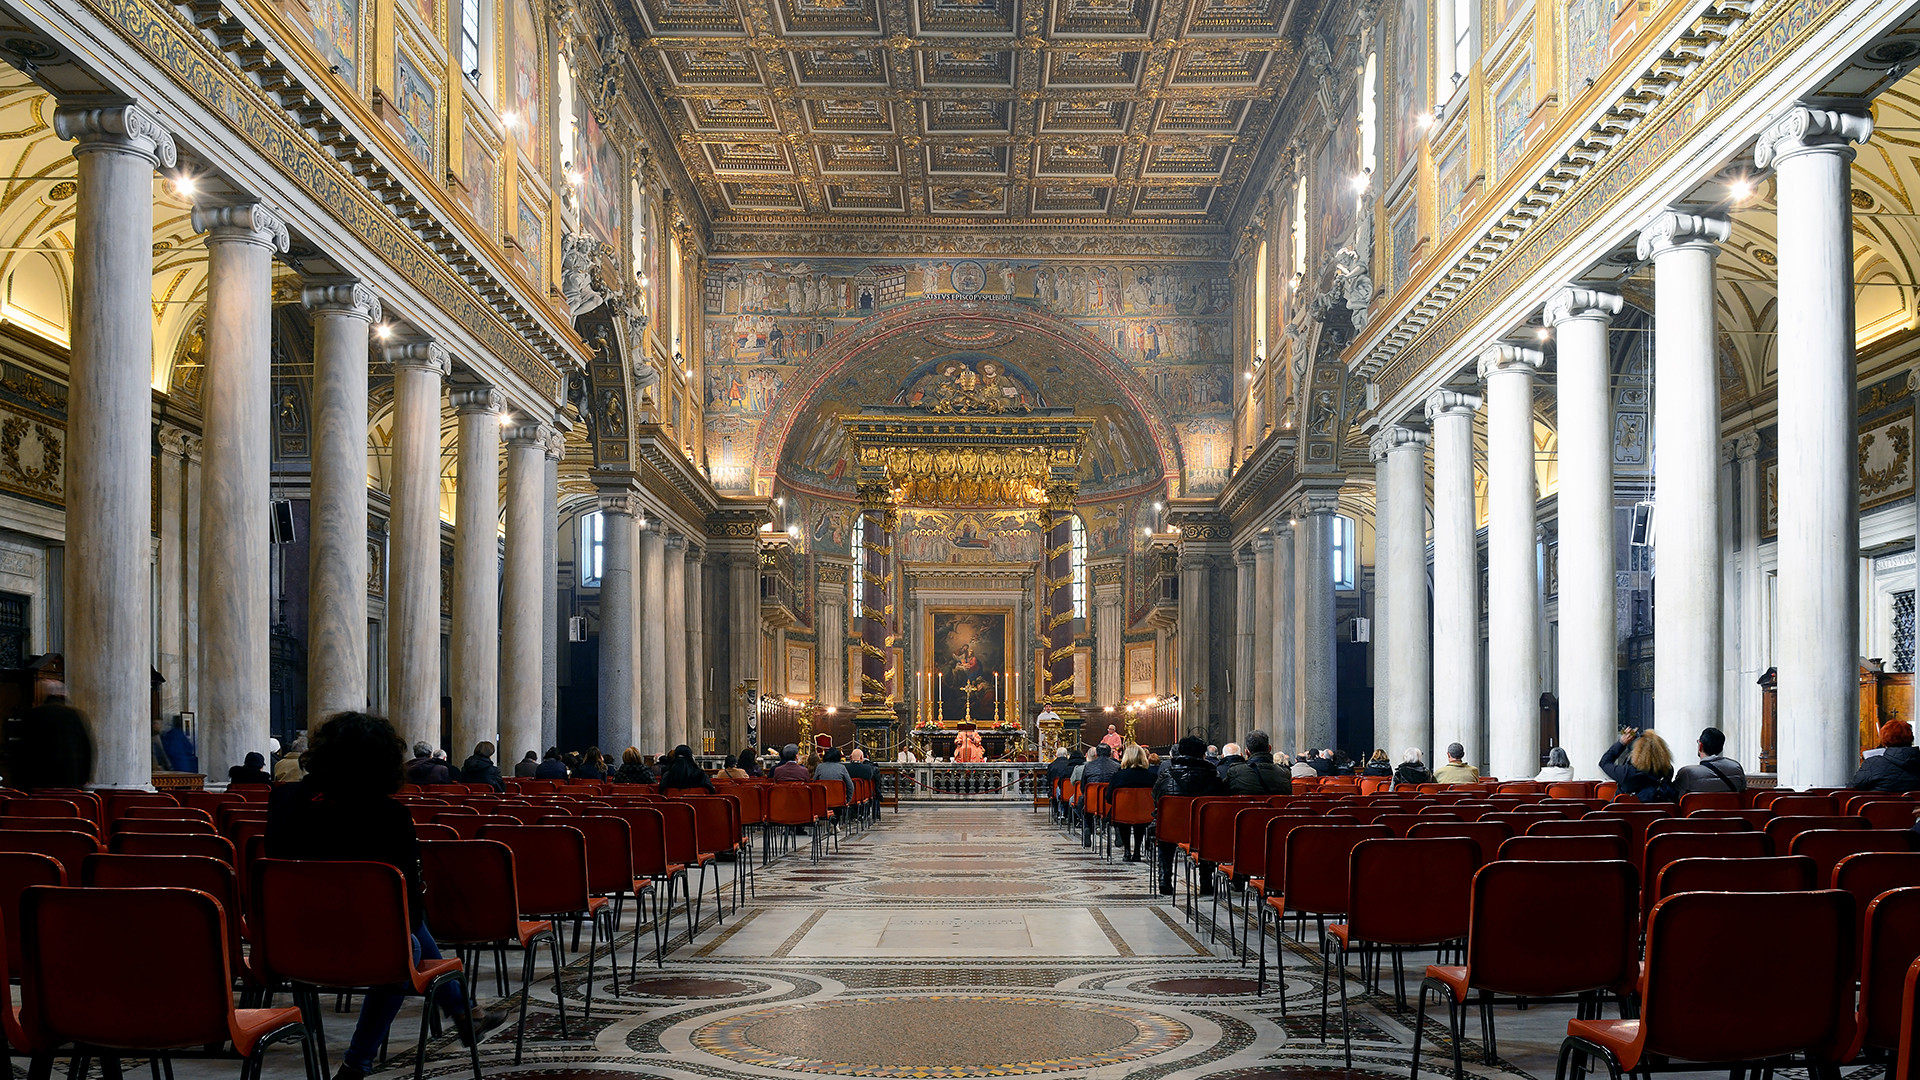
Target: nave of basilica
951	385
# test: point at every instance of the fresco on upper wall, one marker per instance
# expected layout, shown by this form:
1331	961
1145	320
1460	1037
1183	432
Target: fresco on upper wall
1588	40
601	177
1170	323
525	82
1511	111
1409	80
334	26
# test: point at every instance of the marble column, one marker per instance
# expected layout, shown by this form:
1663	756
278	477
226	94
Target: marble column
1244	680
474	660
1513	616
620	503
413	544
694	597
235	486
1456	580
1743	739
1110	679
550	635
1260	690
1196	615
651	613
743	645
108	596
337	515
177	447
1401	556
1282	704
1316	677
526	579
675	731
1589	684
1818	618
1686	428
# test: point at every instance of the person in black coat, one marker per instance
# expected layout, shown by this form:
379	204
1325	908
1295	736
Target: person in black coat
480	769
252	771
682	771
1187	772
1896	767
551	767
1640	763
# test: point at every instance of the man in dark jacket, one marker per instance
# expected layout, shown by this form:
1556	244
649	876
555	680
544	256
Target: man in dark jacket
1099	770
1258	775
426	769
1187	772
1230	756
551	766
1060	768
1323	762
1896	767
528	767
790	770
860	768
480	769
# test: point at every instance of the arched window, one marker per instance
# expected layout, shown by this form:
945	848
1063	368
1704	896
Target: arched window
1343	553
470	37
1077	562
593	548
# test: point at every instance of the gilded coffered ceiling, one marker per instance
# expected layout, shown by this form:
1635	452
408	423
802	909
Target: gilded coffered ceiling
844	118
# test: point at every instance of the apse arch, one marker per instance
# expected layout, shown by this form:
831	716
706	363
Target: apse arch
1054	363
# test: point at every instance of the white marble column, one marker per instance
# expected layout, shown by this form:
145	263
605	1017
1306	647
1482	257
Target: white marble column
474	657
1743	737
107	591
1110	679
743	645
1261	688
1513	626
675	726
1456	580
1589	684
650	695
694	597
1686	429
1195	655
1315	673
621	505
337	517
176	602
1243	655
413	544
550	634
1810	151
1284	707
235	487
1400	469
524	581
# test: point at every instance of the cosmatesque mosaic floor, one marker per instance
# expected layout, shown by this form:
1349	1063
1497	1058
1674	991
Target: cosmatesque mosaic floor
948	942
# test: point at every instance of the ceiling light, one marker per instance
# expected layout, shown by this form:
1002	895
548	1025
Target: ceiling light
383	331
1543	333
184	184
1739	190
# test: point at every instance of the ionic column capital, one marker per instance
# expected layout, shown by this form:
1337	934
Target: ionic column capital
1243	557
1571	302
1394	438
176	441
245	223
428	356
556	443
1747	447
1499	359
1671	230
1802	130
1317	504
620	503
346	298
645	524
1263	543
533	436
472	400
127	129
1451	403
676	541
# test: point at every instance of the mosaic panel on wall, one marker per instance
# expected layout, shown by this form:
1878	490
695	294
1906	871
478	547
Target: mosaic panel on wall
1588	25
1334	195
1409	80
414	101
1512	108
601	172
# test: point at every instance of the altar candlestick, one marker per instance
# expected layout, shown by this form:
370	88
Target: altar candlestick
939	706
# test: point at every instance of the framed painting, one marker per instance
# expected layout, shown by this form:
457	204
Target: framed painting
1083	674
967	650
799	662
1139	671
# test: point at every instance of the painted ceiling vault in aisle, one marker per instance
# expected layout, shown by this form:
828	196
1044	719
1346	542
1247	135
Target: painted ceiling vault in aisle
836	114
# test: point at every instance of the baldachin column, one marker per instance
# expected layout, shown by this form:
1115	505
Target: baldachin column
1589	684
337	516
1686	428
107	586
1456	579
413	543
235	483
1513	620
1811	152
525	580
1400	456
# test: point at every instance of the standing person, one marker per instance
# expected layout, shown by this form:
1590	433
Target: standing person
55	749
180	751
1133	773
1646	773
528	766
967	748
681	772
344	811
1113	739
480	769
1187	772
1714	772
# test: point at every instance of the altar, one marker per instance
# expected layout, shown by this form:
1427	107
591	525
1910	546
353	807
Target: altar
939	744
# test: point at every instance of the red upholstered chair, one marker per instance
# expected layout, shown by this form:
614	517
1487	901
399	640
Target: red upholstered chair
20	871
1133	806
1315	874
1667	825
368	940
1173	824
1667	848
1400	894
1871	873
1804	805
683	843
1589	910
43	824
1248	859
1402	824
610	870
36	806
472	905
1776	873
1587	827
1213	842
468	826
1783	829
1826	847
1700	1002
1709	800
1889	945
164	999
429	831
1889	813
161	825
788	805
168	809
211	876
716	831
212	847
1487	836
67	848
550	875
1564	849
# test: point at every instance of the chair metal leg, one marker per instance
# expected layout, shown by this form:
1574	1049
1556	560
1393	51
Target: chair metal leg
1346	1033
1419	1032
586	1011
526	991
559	992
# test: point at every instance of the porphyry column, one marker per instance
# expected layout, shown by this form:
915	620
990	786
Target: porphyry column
413	543
1513	614
235	482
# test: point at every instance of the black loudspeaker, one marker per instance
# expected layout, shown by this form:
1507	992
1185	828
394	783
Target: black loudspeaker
283	521
1641	535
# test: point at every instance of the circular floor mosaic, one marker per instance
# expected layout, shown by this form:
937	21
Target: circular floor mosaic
690	988
945	888
1201	986
942	1035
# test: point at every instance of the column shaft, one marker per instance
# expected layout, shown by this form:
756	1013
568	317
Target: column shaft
1589	683
1244	680
695	598
413	544
107	596
1284	708
1402	556
1686	428
1819	546
1261	689
1194	689
474	660
743	645
1317	679
1456	580
525	581
651	693
1513	628
550	635
337	517
618	552
676	660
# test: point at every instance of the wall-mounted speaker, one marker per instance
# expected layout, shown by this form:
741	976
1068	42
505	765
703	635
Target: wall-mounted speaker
283	521
1641	535
576	628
